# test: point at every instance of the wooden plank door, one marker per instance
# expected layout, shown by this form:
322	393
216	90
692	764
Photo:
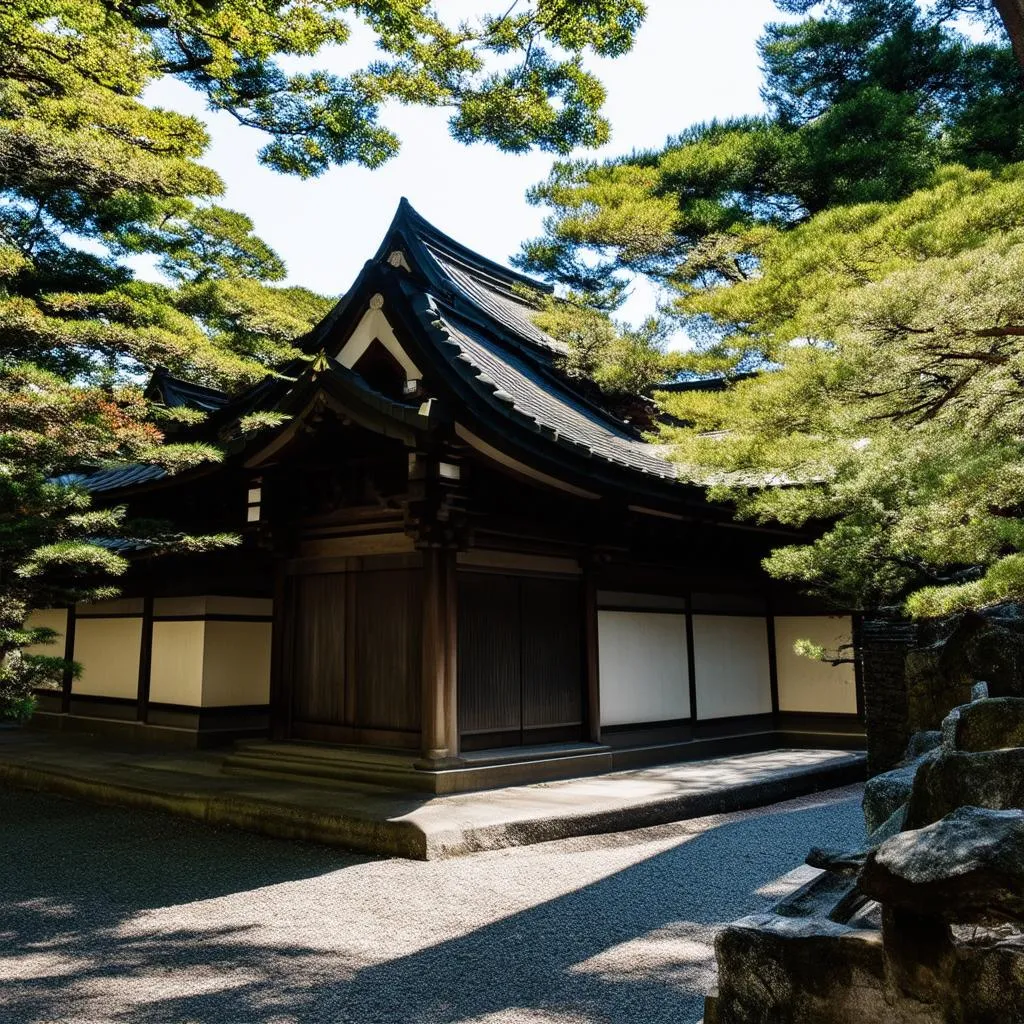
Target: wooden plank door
520	666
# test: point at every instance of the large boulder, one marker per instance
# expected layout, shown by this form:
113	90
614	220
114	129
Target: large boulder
993	724
885	794
966	868
988	778
932	692
802	971
989	647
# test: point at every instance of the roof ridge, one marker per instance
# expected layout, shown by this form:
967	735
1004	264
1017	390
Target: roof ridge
406	212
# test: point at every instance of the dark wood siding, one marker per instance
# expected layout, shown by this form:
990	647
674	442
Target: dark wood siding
552	648
519	659
488	670
388	653
317	648
353	656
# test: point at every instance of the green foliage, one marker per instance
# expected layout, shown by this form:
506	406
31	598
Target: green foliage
620	359
513	78
894	332
866	99
90	176
861	245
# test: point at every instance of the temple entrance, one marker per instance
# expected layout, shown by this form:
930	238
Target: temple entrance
520	660
353	657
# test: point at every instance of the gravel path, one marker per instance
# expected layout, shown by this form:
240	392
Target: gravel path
111	915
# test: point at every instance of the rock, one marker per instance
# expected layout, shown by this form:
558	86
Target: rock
921	743
818	897
989	778
893	824
990	647
966	868
992	724
841	862
887	792
979	691
803	971
949	724
931	692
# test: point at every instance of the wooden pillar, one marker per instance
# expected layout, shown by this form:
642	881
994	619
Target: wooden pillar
440	740
280	669
592	670
773	666
68	678
145	660
452	678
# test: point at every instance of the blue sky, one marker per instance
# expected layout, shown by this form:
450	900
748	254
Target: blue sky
693	60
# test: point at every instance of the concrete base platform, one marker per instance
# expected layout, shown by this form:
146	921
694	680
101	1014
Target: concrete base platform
379	820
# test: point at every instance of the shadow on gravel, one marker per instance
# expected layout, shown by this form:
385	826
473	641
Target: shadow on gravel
71	873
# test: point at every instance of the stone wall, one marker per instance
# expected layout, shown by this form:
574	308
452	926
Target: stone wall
884	647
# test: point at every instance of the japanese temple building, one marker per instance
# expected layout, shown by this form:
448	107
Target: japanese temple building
454	556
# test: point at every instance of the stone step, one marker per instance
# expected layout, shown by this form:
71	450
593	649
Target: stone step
372	767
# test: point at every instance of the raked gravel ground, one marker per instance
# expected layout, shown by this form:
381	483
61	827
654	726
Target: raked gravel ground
109	915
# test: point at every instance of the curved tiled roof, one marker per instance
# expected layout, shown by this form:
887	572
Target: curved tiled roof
551	409
503	304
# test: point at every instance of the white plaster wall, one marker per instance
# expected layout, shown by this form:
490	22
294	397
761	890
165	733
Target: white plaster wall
731	665
176	669
642	667
236	663
108	650
808	685
48	618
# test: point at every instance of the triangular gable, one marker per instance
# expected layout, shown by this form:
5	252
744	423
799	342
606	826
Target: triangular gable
374	326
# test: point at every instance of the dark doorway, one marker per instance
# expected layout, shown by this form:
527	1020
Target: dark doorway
520	664
353	657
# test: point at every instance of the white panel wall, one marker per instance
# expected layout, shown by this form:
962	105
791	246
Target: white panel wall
808	685
108	650
731	665
176	667
236	663
48	618
643	667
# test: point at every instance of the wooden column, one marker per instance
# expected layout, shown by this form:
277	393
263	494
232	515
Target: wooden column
280	667
145	660
440	740
68	678
773	666
592	669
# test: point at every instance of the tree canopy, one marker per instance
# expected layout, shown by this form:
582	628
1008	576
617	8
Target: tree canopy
859	245
865	99
95	183
513	77
892	412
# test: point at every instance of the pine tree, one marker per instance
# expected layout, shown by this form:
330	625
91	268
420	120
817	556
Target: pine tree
90	177
859	246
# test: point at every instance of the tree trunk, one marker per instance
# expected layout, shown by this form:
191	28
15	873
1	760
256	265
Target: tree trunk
1012	14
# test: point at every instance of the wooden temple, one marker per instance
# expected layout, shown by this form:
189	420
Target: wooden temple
454	556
